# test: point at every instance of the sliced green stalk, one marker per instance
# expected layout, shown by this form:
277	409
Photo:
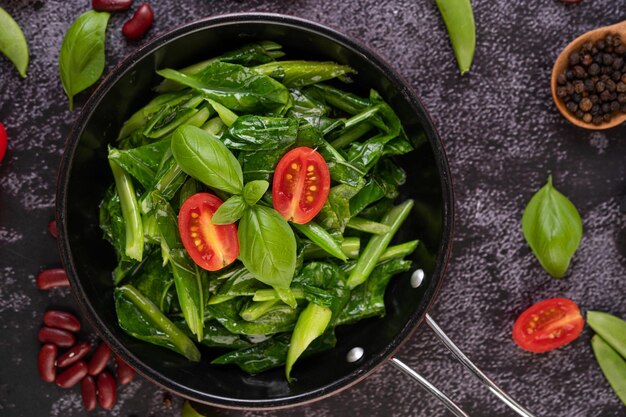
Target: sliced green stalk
361	117
399	251
612	364
311	324
130	212
256	309
214	126
226	115
321	238
217	299
612	330
270	294
140	318
368	226
378	243
351	134
350	248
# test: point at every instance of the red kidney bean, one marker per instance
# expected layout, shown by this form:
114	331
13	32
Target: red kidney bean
88	392
3	141
139	24
74	354
45	362
61	320
52	278
72	375
125	373
106	390
111	5
99	359
59	337
52	229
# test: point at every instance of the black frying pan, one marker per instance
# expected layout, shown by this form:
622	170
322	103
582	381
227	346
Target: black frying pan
89	260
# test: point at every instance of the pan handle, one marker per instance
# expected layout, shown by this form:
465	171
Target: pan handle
496	390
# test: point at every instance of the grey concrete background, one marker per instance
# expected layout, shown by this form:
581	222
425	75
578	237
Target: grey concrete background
503	135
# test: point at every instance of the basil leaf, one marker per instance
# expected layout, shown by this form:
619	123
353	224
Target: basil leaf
553	229
230	211
81	61
13	43
207	159
254	190
268	246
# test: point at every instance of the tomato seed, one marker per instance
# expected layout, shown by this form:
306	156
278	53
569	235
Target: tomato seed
45	362
52	229
106	390
59	337
99	359
61	320
139	24
88	392
52	278
111	5
125	373
74	354
72	375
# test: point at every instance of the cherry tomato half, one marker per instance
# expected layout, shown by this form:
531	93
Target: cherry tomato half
3	141
547	325
211	246
301	185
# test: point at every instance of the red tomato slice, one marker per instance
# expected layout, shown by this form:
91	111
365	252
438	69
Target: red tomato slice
3	141
301	185
211	246
547	325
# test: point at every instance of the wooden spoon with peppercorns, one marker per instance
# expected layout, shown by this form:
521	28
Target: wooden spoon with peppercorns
589	78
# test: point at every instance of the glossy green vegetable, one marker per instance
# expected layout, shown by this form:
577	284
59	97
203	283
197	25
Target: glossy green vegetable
459	19
140	318
311	324
612	330
81	60
612	364
13	43
189	411
223	129
378	243
553	229
205	158
320	237
130	212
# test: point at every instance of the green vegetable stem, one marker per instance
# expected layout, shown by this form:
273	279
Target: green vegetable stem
378	243
321	238
310	325
459	19
553	229
81	60
130	212
13	43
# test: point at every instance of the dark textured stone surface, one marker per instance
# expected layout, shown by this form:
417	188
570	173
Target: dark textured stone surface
503	135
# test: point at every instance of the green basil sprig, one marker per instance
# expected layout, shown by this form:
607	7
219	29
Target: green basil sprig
267	243
553	229
81	61
13	43
207	159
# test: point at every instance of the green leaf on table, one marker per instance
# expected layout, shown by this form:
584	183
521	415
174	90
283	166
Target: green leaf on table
81	60
553	229
13	43
207	159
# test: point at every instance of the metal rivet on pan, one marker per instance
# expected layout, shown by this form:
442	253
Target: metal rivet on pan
355	354
417	277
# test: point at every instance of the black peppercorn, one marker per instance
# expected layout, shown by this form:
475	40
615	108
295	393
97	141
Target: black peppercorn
579	87
594	98
600	86
561	80
577	97
607	59
614	106
569	75
610	85
574	58
589	86
587	118
595	110
596	120
621	87
579	72
586	60
587	46
621	98
618	63
579	114
621	49
600	45
605	108
571	106
585	104
616	75
594	69
606	118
